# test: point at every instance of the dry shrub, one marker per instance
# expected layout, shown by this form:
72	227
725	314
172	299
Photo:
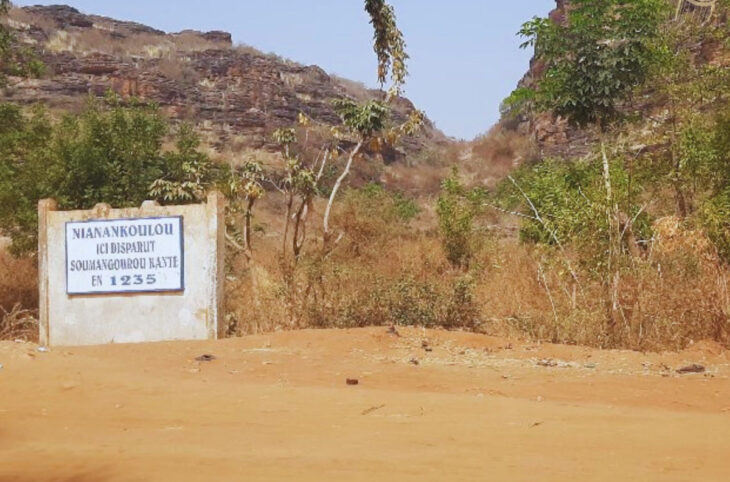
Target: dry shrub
497	153
22	19
193	42
177	69
381	272
353	88
247	49
18	324
18	281
425	180
527	292
675	296
384	272
146	45
421	174
680	293
369	289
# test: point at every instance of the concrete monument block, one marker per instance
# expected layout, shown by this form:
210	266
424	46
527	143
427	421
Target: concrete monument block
131	275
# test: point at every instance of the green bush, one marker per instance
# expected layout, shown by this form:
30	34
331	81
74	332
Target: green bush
715	216
109	153
456	208
25	174
570	199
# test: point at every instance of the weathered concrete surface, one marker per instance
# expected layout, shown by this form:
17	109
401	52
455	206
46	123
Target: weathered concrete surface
194	314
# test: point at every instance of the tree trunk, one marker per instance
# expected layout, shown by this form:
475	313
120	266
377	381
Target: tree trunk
336	187
613	281
682	209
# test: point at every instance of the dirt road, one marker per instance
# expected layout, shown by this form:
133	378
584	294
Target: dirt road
427	406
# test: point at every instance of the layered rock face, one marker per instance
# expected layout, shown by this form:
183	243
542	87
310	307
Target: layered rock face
233	93
556	138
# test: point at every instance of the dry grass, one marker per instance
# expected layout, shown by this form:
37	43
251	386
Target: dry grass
18	281
144	45
385	272
671	298
495	154
23	20
178	69
18	324
18	297
357	90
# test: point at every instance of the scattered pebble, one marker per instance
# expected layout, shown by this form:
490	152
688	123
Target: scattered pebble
69	385
205	358
694	368
590	365
372	409
352	381
43	349
414	361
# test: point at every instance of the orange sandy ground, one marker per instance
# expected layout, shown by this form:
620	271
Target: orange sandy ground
276	407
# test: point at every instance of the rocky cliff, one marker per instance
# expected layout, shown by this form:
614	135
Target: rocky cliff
235	94
554	137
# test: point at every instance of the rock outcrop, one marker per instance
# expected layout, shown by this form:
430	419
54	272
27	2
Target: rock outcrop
554	137
233	93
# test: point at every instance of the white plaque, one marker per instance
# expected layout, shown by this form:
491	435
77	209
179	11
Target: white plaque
125	256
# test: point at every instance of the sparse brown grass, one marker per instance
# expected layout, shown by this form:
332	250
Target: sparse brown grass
22	19
146	45
354	89
18	324
178	69
18	297
495	154
383	272
670	298
18	281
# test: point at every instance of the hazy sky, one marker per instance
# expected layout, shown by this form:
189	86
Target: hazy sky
464	53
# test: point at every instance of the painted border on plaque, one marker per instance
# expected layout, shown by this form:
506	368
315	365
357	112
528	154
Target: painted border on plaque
122	293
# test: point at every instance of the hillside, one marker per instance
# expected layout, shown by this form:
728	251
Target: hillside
235	95
542	232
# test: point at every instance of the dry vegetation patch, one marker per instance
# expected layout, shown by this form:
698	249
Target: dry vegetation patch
18	281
